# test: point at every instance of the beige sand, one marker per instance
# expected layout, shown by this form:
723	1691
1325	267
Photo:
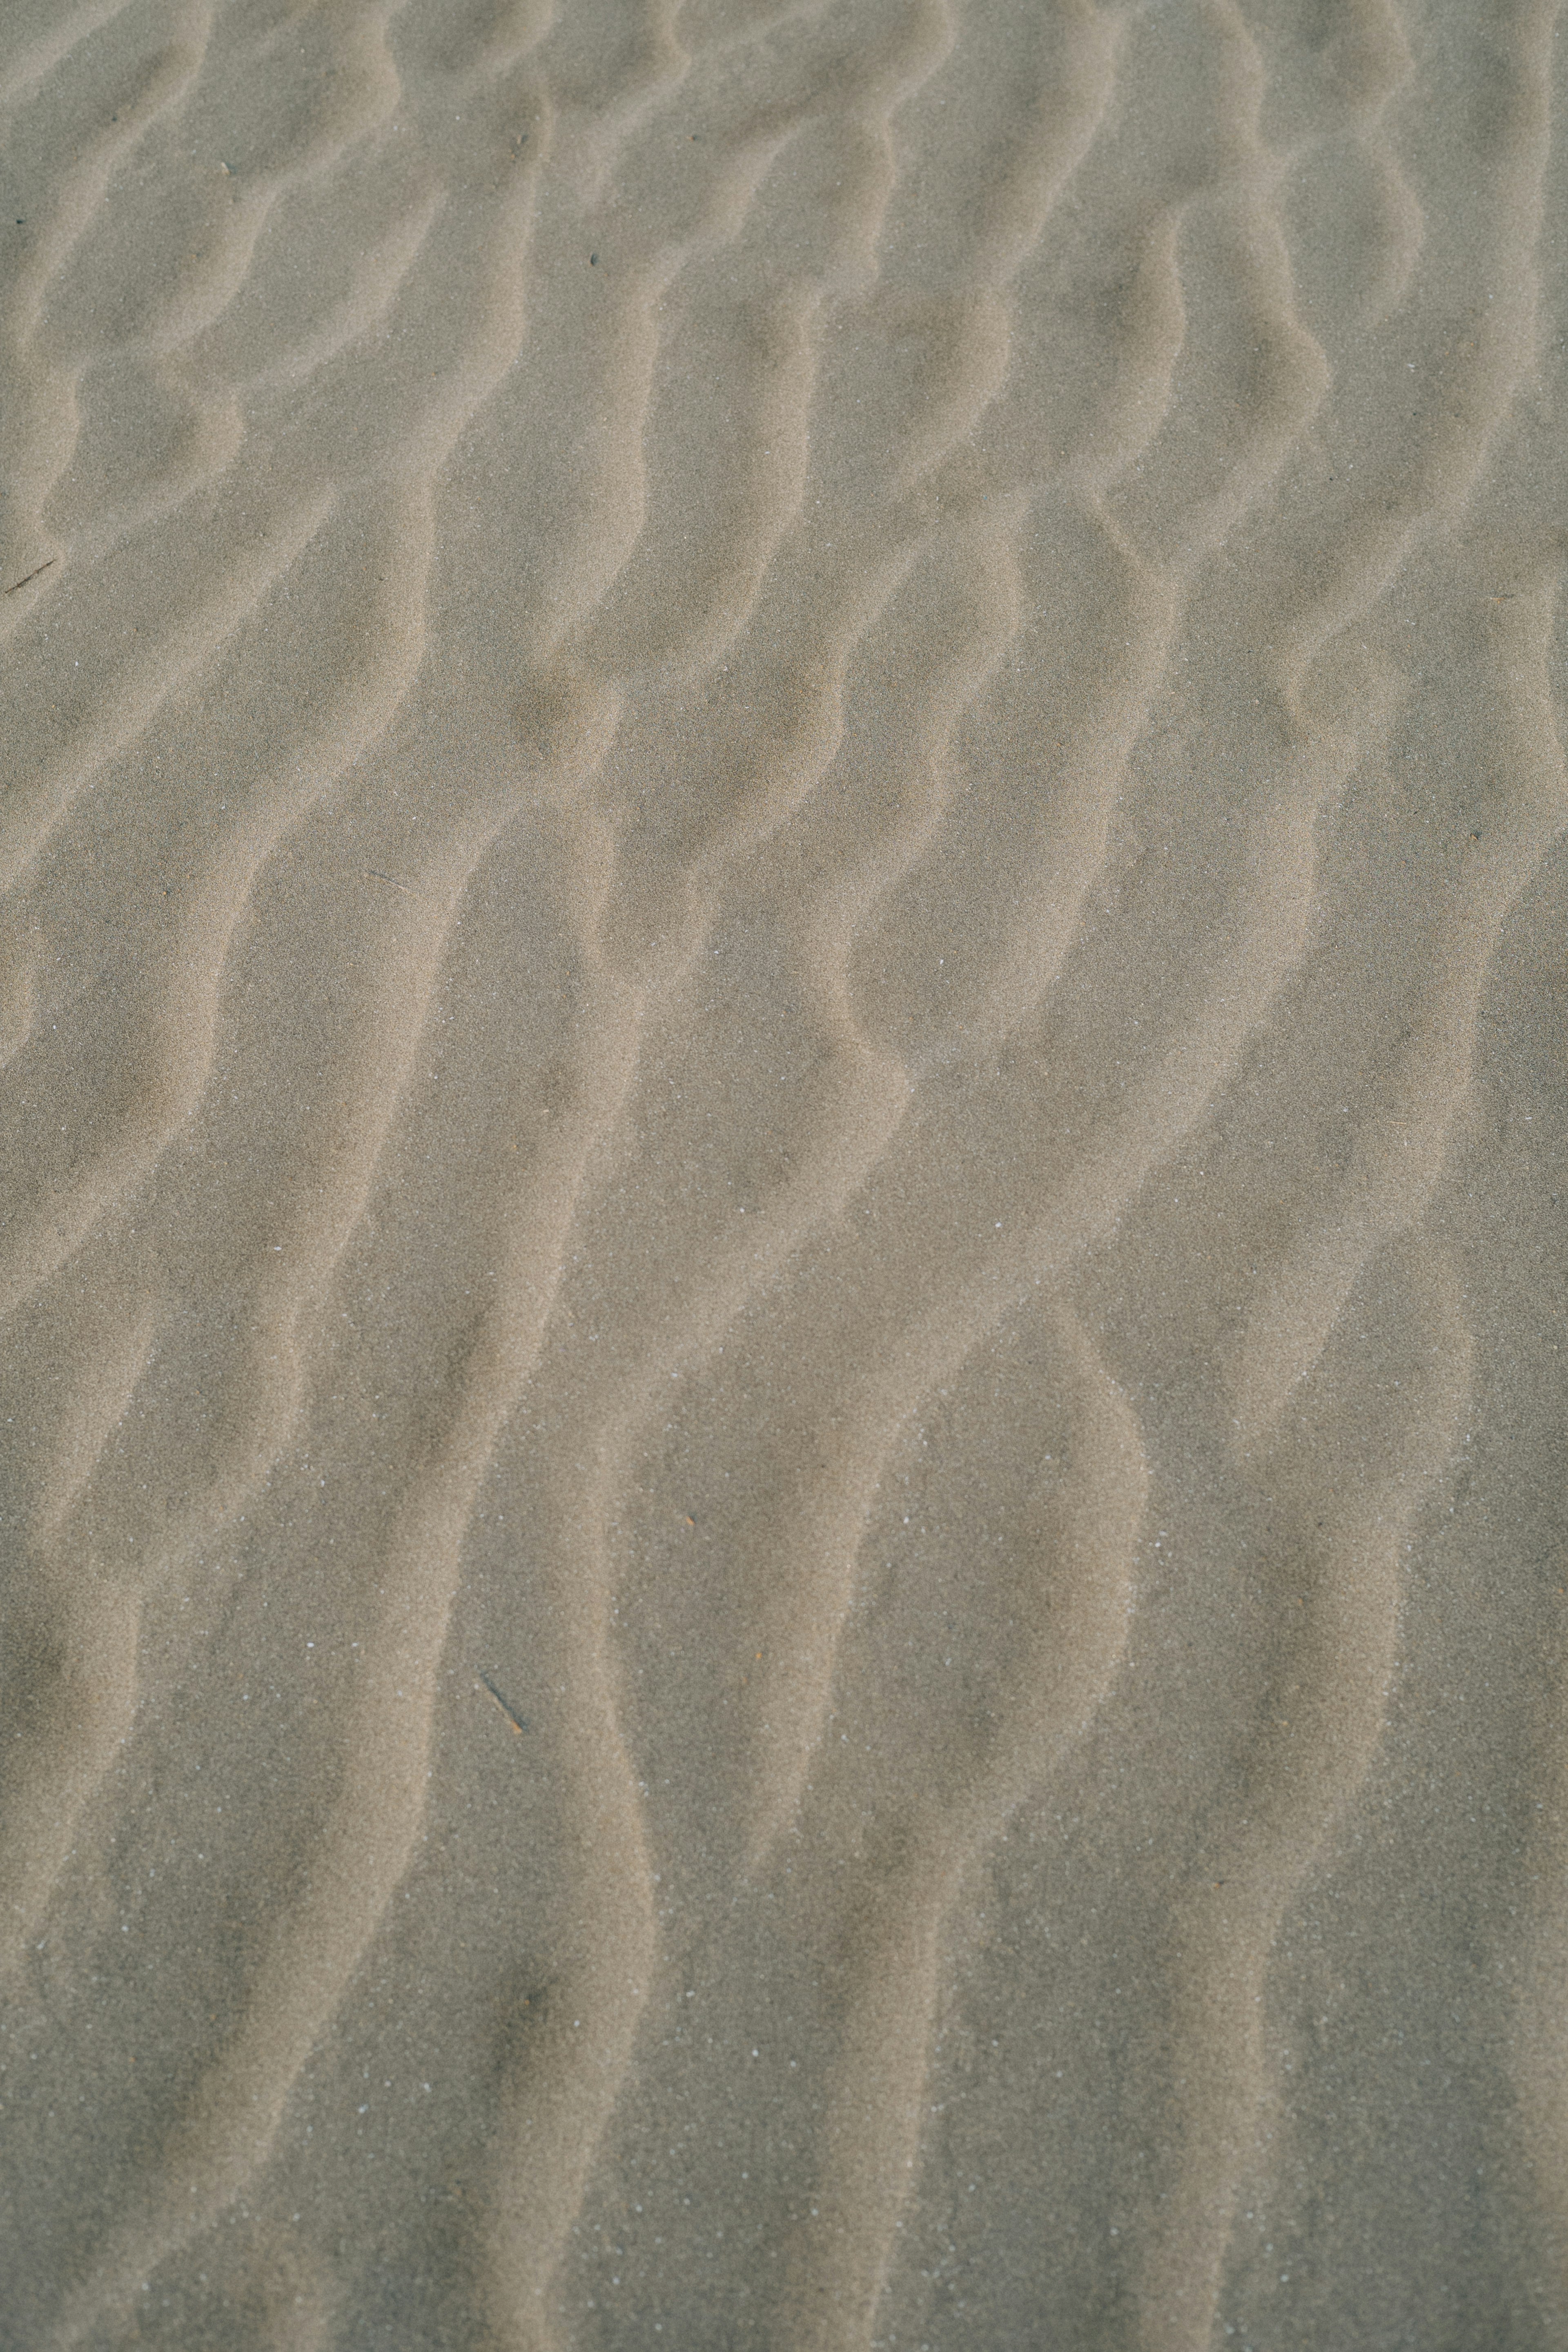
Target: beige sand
781	1041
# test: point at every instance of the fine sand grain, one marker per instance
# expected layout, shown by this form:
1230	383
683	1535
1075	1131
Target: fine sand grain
783	969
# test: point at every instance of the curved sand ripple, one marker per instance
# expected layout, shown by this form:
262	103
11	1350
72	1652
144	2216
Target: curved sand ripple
781	843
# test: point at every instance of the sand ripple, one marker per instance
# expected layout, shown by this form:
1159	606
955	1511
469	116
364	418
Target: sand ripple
778	1273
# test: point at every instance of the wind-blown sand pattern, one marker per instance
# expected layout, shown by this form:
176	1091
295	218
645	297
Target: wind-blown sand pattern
782	992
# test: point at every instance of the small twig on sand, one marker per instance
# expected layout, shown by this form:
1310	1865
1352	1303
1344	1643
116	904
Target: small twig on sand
518	1722
30	575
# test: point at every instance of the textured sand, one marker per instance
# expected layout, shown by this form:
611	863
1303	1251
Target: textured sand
782	1036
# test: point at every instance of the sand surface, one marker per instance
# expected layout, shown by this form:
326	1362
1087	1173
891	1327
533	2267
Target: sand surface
783	969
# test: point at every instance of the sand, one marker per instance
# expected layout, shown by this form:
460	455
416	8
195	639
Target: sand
781	1034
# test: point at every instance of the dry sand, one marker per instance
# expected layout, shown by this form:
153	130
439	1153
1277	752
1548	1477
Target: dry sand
782	1049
